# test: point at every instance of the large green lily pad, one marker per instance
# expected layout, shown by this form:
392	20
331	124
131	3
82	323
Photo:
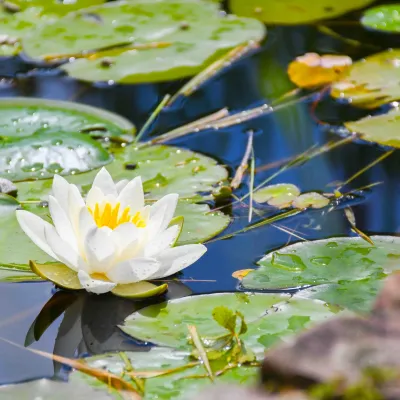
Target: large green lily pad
183	383
371	82
383	129
383	18
190	34
295	11
19	18
46	389
269	317
163	169
22	116
343	263
43	154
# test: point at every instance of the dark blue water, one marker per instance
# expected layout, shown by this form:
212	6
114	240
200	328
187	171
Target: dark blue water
89	324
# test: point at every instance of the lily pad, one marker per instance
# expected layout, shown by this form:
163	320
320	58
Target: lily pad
293	12
140	290
384	18
23	116
163	169
312	70
344	263
45	389
383	129
43	154
58	273
141	41
269	317
280	195
20	18
17	249
311	199
371	82
183	381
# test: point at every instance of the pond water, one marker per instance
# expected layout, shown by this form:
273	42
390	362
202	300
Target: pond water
279	136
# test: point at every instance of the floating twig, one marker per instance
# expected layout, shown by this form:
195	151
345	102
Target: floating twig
103	51
301	158
237	179
251	187
352	42
106	377
213	69
162	372
192	127
348	212
247	115
202	353
267	221
129	370
366	168
152	117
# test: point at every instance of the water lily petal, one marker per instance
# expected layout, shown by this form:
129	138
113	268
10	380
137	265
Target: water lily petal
169	202
94	196
60	191
132	196
121	184
126	237
75	204
155	223
62	223
176	259
34	227
105	183
94	285
100	249
63	251
162	241
135	270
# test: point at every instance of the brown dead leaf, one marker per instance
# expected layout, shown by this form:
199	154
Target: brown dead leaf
312	70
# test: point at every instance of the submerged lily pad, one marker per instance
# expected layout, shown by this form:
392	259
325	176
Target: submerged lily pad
383	129
168	374
344	263
23	116
46	389
269	318
371	82
43	154
383	18
150	40
295	11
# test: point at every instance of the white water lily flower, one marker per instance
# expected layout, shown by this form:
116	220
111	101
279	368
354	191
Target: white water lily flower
112	238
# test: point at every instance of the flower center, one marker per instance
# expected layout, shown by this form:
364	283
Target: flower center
108	215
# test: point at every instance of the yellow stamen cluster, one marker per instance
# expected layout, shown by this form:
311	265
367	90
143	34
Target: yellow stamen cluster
110	216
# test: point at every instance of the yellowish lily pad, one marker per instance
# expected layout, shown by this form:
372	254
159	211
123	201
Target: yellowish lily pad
383	129
139	290
57	273
312	70
371	82
281	195
312	199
